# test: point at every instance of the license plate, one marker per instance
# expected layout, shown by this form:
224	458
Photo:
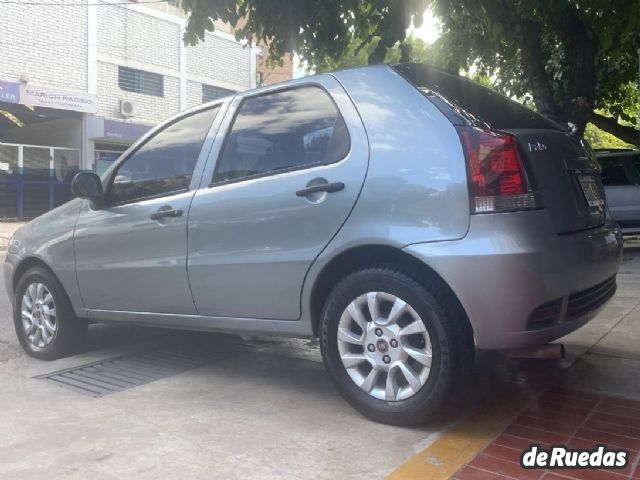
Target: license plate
590	190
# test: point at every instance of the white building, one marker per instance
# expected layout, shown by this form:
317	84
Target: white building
81	79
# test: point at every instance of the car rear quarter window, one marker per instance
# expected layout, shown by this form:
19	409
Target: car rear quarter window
467	103
282	131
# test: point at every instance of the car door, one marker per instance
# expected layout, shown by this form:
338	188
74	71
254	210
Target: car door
275	192
621	179
131	250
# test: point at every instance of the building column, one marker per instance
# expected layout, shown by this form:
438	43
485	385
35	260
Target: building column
253	65
183	70
86	145
86	149
92	50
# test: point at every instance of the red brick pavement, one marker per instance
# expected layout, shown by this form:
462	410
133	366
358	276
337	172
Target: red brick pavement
564	417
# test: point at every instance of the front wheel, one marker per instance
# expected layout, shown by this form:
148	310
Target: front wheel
44	320
393	346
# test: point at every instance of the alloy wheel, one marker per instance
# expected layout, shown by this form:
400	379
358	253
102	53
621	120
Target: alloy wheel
38	315
384	346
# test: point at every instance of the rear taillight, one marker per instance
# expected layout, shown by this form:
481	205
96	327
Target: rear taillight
497	180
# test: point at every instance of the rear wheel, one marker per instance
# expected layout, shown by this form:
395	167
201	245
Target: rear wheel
393	346
45	323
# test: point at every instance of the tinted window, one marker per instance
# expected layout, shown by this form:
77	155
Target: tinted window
164	163
613	172
467	102
634	159
283	130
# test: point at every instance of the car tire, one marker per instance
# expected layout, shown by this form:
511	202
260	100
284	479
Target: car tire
392	400
43	317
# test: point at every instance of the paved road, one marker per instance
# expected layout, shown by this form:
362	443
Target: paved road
262	408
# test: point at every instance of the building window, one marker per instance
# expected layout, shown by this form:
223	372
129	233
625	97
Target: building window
139	81
210	93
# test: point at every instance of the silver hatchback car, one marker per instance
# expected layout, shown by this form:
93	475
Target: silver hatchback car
402	214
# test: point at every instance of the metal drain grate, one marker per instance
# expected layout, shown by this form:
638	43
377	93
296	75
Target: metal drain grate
117	374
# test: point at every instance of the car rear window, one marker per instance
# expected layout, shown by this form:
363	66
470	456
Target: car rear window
613	172
635	160
465	102
619	168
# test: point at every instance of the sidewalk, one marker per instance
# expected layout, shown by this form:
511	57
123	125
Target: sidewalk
6	231
591	397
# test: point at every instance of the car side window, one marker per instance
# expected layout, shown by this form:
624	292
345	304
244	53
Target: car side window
283	131
613	173
164	163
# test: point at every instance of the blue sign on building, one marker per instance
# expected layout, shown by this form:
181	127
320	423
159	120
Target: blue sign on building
9	92
124	130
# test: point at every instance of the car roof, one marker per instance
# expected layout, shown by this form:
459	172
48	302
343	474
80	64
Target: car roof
615	153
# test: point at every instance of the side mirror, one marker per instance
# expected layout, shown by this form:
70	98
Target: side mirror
87	185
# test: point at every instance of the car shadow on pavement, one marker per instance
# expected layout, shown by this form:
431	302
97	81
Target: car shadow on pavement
296	365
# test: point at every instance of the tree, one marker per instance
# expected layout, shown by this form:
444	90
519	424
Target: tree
600	139
415	51
577	59
314	29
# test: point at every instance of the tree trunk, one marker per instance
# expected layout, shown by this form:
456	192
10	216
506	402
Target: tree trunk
580	47
579	44
534	71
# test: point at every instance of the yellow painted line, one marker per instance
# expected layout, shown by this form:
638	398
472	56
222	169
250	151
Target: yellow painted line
459	445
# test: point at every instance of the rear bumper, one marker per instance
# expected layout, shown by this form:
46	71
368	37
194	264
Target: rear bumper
510	265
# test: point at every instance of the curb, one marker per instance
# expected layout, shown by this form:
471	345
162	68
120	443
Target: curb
4	243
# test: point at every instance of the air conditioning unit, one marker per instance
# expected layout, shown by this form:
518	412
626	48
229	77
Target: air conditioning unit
127	108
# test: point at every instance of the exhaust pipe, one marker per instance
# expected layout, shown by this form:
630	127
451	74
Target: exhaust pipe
550	351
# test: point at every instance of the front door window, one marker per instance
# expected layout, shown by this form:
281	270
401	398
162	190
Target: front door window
164	164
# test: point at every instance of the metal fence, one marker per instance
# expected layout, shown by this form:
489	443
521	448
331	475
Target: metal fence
34	179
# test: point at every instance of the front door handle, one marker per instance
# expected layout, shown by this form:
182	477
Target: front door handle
166	211
323	187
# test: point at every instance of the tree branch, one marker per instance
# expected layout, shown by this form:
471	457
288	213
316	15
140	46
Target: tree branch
528	34
610	125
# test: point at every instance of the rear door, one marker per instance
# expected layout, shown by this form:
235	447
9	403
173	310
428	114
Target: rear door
567	175
274	193
621	178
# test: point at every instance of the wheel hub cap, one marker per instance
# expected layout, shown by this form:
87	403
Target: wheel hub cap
384	346
38	315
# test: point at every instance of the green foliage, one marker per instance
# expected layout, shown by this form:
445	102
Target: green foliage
315	29
570	57
491	35
355	56
487	33
598	138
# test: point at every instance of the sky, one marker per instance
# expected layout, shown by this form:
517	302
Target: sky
428	32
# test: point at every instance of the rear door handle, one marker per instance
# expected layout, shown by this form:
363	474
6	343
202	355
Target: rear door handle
166	212
323	187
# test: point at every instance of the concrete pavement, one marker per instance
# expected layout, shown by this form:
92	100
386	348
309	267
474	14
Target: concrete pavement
264	408
6	231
